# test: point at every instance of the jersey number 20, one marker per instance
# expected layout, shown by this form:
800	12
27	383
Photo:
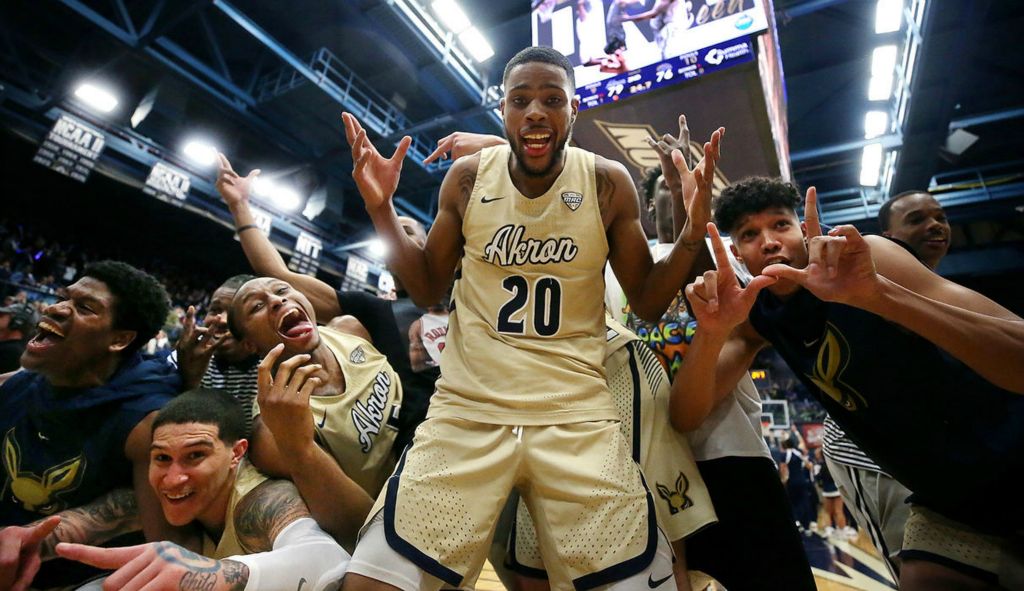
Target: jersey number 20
547	305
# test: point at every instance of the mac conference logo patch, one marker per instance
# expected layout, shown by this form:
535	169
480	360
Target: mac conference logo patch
572	199
357	355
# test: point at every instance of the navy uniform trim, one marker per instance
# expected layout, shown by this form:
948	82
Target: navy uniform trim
989	578
515	565
635	371
417	557
630	567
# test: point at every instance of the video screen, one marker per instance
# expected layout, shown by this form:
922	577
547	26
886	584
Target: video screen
620	48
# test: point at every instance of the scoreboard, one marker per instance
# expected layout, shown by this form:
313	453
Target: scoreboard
623	48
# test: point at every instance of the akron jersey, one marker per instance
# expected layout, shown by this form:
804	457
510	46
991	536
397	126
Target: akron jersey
247	478
526	333
358	427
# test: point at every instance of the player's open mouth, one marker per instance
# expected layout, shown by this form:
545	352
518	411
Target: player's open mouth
294	324
49	335
536	142
776	260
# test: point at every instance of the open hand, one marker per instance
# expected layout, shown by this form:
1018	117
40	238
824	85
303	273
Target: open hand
195	348
697	184
462	143
284	399
375	176
234	189
839	264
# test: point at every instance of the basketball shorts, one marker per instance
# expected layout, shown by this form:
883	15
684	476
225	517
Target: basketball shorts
640	388
595	517
935	538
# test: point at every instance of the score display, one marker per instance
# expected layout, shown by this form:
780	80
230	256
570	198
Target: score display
677	69
620	48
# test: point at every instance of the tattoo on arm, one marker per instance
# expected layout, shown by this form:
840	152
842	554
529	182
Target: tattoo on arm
263	513
107	517
203	573
605	188
466	182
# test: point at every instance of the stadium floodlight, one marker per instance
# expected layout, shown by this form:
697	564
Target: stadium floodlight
96	97
875	124
284	198
871	165
377	248
476	44
888	16
883	64
201	152
451	15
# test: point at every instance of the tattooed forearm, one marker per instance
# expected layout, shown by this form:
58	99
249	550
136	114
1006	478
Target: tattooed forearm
105	518
263	513
203	573
235	574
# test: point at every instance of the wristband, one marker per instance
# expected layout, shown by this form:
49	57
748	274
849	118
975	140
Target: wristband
241	229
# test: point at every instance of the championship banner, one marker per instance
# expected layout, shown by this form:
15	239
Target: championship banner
168	184
71	148
306	257
621	49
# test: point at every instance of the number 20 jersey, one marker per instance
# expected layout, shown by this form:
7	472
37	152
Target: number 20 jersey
526	335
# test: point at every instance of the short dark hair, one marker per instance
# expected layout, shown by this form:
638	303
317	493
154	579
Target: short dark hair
141	303
208	406
544	55
885	213
233	325
753	195
236	281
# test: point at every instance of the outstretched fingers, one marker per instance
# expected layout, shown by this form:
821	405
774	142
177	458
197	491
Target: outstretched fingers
105	558
721	255
811	220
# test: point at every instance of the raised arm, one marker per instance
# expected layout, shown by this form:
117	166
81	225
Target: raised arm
260	252
337	503
878	276
650	286
723	347
283	545
426	273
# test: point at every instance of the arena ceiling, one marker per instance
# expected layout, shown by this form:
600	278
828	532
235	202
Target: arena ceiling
266	83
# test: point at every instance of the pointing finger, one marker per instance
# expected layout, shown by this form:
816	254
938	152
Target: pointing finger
811	220
721	256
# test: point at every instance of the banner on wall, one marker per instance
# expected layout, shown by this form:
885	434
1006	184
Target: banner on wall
168	184
306	256
71	148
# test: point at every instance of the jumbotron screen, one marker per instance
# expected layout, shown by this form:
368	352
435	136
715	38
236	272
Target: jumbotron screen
620	48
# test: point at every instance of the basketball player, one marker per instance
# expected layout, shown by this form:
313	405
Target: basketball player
522	402
387	321
920	372
640	389
328	404
915	220
257	532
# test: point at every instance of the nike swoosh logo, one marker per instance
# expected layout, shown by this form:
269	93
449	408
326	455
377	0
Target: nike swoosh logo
323	420
810	344
486	200
656	583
